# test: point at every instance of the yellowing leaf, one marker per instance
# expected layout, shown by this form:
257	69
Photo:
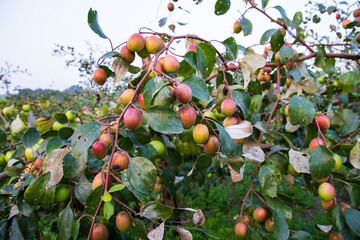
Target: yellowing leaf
54	165
289	127
249	64
355	156
253	152
235	176
120	68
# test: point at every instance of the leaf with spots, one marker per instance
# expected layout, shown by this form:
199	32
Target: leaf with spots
40	192
222	6
142	174
83	138
301	111
206	59
299	160
270	178
156	210
164	119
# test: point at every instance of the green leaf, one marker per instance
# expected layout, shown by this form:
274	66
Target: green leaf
266	35
186	69
276	41
108	210
352	218
301	235
335	217
125	177
83	138
106	197
286	54
73	167
246	26
243	100
139	228
320	57
116	188
139	136
162	21
270	178
190	58
330	66
152	89
351	122
231	48
64	223
53	144
15	233
349	81
75	229
222	6
264	3
40	192
354	192
156	210
61	118
206	59
82	191
282	12
256	102
202	162
296	74
297	20
168	179
93	200
65	133
281	229
301	111
93	23
228	146
3	139
164	119
198	87
142	174
322	162
277	204
31	137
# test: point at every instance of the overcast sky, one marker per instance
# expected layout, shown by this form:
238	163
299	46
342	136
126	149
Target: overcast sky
31	28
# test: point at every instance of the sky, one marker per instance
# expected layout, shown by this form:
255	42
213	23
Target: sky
30	29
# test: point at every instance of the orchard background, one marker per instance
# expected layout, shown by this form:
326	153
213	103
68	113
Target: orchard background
196	138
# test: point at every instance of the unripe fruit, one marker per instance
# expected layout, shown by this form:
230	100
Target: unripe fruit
38	163
99	150
200	133
229	121
241	230
157	188
153	44
210	114
260	214
29	154
327	205
287	111
107	138
228	107
129	56
356	13
338	162
120	161
320	180
187	116
358	37
99	76
260	77
100	179
277	57
345	23
123	221
192	47
136	42
183	93
171	64
2	160
237	27
8	155
141	101
126	96
336	236
62	193
292	171
212	145
267	77
143	53
57	126
323	122
99	232
158	69
170	7
315	143
70	115
326	191
269	225
26	107
159	147
132	118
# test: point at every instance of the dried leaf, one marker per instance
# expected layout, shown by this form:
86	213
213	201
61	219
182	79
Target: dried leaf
255	61
198	218
355	156
236	159
54	165
14	211
246	71
324	228
289	127
184	234
157	233
294	87
235	176
120	68
241	130
299	161
253	152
